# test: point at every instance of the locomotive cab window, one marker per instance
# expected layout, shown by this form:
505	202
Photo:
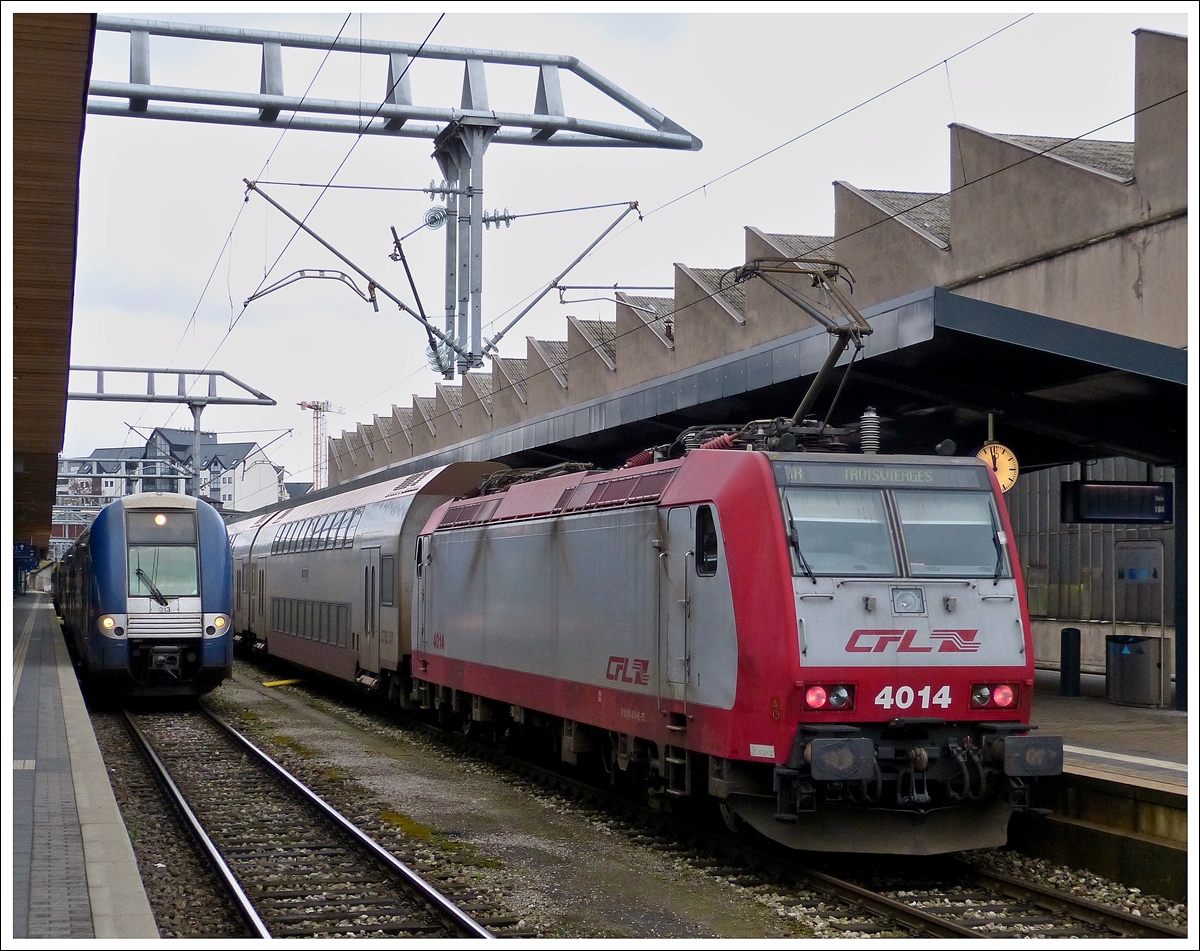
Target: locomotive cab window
706	542
839	531
951	534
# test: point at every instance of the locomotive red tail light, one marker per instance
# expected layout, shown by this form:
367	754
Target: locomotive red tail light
829	697
999	696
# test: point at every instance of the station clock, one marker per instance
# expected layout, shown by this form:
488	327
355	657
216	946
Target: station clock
1003	462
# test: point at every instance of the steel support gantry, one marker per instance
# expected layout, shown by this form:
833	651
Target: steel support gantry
460	135
186	379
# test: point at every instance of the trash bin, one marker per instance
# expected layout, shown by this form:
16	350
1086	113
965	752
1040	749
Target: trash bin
1133	670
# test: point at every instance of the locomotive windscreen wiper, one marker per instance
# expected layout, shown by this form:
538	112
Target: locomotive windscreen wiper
155	593
794	538
999	557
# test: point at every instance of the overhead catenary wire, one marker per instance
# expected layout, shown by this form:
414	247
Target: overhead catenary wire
835	118
881	222
242	207
233	324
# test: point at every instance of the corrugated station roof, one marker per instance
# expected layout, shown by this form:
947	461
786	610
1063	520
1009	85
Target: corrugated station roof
929	211
605	332
659	307
554	352
805	245
452	396
732	294
483	386
515	370
1116	158
426	405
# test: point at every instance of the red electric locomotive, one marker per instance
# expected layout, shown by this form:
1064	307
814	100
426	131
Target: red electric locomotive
834	645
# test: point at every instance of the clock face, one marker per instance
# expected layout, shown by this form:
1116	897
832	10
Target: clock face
1003	463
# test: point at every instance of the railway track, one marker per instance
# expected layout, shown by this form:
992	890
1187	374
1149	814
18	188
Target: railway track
962	900
941	897
293	865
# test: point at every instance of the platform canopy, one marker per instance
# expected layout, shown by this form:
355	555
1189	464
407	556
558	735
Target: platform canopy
52	59
936	365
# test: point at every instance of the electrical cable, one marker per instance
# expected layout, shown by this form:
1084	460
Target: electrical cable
883	221
840	115
233	324
242	206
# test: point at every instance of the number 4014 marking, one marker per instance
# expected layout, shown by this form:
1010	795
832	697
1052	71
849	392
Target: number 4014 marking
904	697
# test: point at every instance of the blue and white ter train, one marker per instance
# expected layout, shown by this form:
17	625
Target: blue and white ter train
146	598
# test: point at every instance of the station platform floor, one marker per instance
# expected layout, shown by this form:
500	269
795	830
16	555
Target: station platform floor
71	872
1143	745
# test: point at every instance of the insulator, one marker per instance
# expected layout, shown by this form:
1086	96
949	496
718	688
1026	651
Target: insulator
868	431
441	359
435	217
644	457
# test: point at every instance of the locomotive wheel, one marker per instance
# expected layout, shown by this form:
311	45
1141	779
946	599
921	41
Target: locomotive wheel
732	822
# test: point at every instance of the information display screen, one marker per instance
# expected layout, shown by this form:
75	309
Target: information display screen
1145	503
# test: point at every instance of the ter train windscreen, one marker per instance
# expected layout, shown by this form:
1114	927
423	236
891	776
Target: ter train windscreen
162	554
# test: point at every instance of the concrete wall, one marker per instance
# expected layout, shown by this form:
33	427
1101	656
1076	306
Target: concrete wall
1133	284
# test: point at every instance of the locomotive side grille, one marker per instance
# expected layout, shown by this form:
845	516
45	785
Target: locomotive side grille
169	625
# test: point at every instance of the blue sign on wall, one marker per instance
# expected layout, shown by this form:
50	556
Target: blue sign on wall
25	557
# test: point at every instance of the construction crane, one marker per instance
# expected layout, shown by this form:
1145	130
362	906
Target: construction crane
320	468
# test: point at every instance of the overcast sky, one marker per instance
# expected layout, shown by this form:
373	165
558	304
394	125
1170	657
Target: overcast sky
158	199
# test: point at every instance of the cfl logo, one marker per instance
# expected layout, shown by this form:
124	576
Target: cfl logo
905	642
959	641
629	671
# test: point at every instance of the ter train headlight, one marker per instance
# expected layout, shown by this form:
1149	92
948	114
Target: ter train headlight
111	625
215	624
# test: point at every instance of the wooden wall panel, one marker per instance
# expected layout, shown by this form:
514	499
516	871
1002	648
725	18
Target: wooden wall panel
52	59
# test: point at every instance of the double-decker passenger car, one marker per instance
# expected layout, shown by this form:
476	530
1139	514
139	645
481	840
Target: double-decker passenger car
326	583
145	597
